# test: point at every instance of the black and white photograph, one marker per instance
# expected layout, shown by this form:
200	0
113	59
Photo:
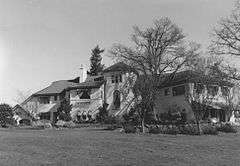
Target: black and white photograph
119	82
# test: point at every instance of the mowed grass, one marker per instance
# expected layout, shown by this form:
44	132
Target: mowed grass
89	146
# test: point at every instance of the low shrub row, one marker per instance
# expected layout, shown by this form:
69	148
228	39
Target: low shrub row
188	129
227	128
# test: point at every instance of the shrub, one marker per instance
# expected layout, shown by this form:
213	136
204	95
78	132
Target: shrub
128	128
63	111
172	130
25	122
164	129
110	120
189	129
210	130
102	113
154	130
131	117
227	128
111	127
69	124
42	123
6	115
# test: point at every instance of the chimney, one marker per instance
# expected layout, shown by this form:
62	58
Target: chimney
83	74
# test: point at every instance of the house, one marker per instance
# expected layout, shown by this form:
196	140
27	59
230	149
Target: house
174	95
87	93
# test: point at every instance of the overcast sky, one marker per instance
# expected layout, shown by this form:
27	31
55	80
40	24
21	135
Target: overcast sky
46	40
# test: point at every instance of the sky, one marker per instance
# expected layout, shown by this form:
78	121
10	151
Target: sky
42	41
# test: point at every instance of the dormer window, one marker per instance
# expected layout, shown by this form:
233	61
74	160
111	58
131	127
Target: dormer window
116	78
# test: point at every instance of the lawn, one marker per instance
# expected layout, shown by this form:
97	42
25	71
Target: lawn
89	146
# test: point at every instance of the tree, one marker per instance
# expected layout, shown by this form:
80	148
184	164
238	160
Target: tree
226	37
63	112
156	52
6	115
208	72
22	96
96	59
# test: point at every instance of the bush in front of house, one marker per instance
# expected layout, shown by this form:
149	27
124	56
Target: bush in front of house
69	124
129	128
102	113
63	111
6	115
227	128
42	123
209	130
188	129
163	129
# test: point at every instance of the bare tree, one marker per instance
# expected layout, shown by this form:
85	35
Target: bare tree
226	37
21	96
156	52
209	73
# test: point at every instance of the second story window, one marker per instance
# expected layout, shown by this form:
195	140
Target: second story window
44	100
178	90
116	78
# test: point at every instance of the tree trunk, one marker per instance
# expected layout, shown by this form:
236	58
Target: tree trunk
199	127
144	129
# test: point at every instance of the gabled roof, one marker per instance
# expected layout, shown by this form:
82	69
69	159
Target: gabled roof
120	66
187	76
56	87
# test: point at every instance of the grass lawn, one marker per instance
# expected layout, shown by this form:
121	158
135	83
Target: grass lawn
89	146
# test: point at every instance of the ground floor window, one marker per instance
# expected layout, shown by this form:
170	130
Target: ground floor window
45	116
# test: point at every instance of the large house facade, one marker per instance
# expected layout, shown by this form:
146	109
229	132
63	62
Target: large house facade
87	93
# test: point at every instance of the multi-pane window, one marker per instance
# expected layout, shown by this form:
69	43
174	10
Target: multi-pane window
178	90
44	100
116	78
84	94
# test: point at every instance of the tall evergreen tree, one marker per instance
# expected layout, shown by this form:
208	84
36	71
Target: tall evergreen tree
96	59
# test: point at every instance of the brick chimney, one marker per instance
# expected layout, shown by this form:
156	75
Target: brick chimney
83	74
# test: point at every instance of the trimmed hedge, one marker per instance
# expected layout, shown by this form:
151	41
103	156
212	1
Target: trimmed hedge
227	128
190	129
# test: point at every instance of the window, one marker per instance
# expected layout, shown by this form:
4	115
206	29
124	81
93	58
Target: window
44	100
167	92
84	94
99	78
212	90
225	91
178	90
116	78
116	99
198	88
55	98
